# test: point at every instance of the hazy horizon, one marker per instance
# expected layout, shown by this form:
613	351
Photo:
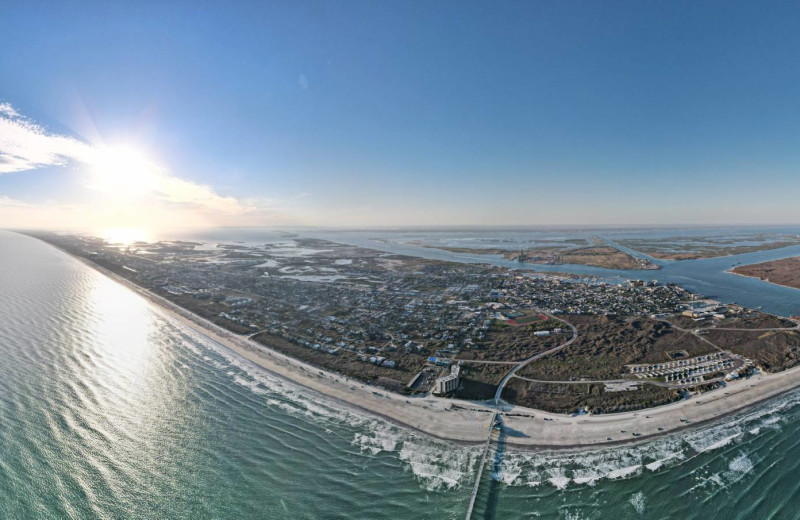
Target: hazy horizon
453	227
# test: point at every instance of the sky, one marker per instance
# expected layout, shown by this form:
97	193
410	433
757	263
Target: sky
350	113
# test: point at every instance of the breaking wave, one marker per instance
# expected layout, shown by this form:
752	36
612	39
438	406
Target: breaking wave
441	465
563	469
436	464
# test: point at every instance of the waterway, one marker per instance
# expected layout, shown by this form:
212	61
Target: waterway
709	277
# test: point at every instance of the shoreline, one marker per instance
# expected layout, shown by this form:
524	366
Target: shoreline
467	423
733	272
329	384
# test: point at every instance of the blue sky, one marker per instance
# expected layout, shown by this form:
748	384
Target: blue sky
393	113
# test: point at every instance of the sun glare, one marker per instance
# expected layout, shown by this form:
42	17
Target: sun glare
123	171
124	236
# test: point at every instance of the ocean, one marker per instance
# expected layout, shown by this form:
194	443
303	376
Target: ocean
110	409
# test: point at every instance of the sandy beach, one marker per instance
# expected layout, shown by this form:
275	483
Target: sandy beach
467	422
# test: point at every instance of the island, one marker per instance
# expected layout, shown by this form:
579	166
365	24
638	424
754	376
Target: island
593	251
713	246
785	271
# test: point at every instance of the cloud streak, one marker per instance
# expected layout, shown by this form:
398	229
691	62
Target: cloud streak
26	146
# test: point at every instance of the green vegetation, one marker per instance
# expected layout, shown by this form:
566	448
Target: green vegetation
349	364
530	318
606	344
569	398
749	320
510	342
773	350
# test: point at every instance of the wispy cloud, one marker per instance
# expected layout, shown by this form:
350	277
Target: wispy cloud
7	110
26	146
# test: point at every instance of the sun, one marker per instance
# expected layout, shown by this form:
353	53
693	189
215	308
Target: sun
124	236
124	179
123	172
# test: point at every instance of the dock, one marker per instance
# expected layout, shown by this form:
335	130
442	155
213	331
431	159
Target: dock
494	433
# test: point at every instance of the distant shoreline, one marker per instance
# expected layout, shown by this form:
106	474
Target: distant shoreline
466	422
733	271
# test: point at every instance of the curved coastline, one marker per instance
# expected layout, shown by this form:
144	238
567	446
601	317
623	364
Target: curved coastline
466	422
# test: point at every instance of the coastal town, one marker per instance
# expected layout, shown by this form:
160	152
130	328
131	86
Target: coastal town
477	332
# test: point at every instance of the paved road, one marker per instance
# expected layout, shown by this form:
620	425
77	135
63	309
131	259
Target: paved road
483	361
796	327
693	332
579	382
535	357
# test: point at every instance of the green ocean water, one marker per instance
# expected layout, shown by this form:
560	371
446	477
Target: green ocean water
108	409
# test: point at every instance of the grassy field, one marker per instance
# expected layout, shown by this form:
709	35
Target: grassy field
530	318
568	398
348	364
595	255
783	272
606	344
773	350
676	248
752	320
509	342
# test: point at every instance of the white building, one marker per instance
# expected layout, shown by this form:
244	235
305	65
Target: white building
448	383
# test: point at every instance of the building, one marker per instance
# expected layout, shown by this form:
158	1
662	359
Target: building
448	383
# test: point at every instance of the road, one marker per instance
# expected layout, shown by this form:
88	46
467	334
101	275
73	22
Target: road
483	361
796	328
582	382
540	355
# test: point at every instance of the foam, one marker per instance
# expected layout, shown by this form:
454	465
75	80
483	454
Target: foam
704	445
558	478
624	472
741	464
716	478
440	465
638	502
435	463
572	516
508	473
588	477
653	466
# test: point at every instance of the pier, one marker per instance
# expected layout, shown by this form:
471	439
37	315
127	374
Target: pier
495	428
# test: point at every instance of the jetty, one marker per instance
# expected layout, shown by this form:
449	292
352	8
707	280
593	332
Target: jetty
492	439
